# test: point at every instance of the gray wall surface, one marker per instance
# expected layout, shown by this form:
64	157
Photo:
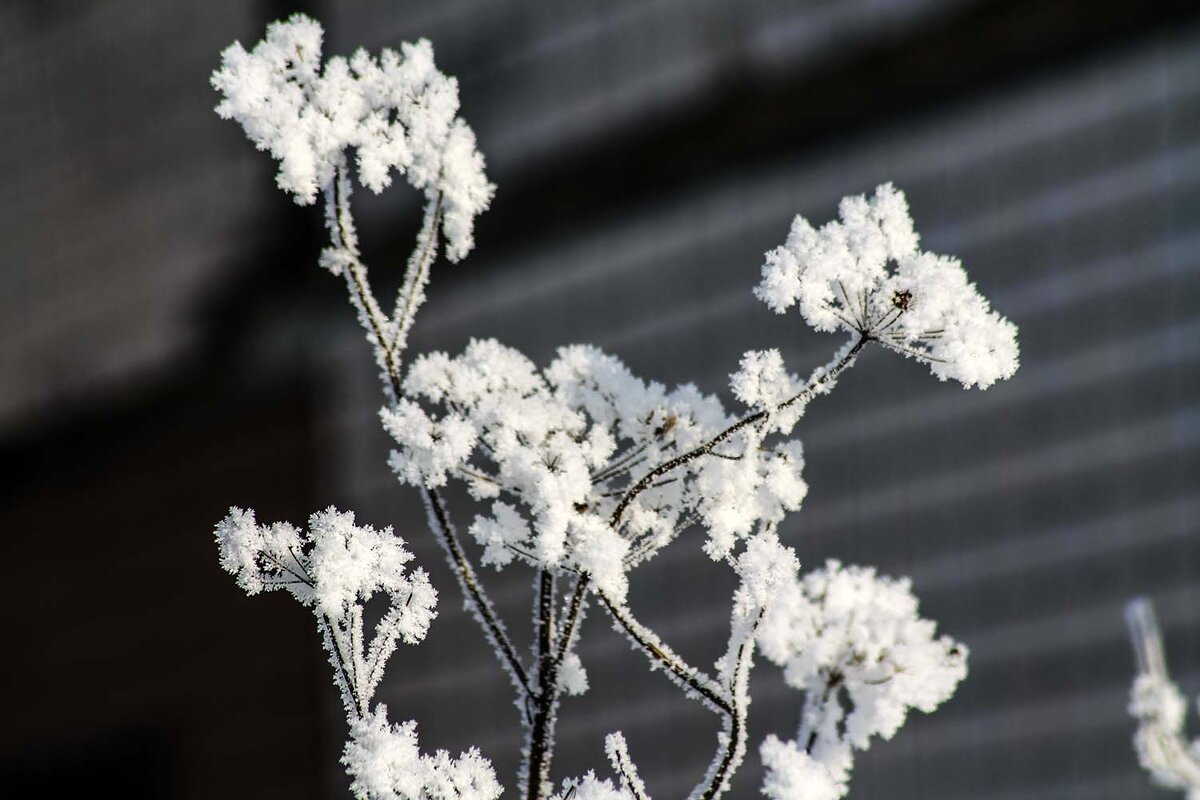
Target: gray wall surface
647	154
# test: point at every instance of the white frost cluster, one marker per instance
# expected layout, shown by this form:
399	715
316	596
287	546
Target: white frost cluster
1160	709
763	382
335	568
556	450
792	774
589	787
865	274
385	763
398	112
850	639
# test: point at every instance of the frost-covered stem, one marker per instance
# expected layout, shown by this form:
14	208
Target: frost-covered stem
731	749
819	382
345	239
693	681
622	764
354	704
1146	638
1161	746
572	618
416	278
541	735
478	601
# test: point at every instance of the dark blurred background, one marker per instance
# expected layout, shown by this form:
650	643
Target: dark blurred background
168	347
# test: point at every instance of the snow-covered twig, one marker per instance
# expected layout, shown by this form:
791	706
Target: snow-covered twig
539	747
822	380
622	764
477	600
1158	706
694	682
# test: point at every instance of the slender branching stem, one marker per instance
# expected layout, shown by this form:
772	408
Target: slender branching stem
570	622
389	348
692	680
354	703
832	683
541	734
412	291
472	589
732	744
623	765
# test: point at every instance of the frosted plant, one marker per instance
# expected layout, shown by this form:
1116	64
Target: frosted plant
1159	708
921	306
844	635
580	471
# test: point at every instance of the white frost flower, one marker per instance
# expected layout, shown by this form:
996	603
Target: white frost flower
845	632
573	677
397	112
793	774
385	763
564	445
865	274
335	568
766	567
589	787
500	534
435	448
263	557
350	563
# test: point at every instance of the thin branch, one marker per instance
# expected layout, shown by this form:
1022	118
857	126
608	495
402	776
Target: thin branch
693	681
416	278
345	240
732	743
1162	748
807	393
570	623
539	749
622	764
620	463
474	594
832	683
350	698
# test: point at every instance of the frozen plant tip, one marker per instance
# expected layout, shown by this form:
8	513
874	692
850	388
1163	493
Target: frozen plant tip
850	639
397	112
1159	708
865	273
580	471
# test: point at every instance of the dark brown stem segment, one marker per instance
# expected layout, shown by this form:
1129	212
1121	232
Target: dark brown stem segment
541	734
731	746
472	590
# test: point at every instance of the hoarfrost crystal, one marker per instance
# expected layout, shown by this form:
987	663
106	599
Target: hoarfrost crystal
924	307
385	764
398	112
845	632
